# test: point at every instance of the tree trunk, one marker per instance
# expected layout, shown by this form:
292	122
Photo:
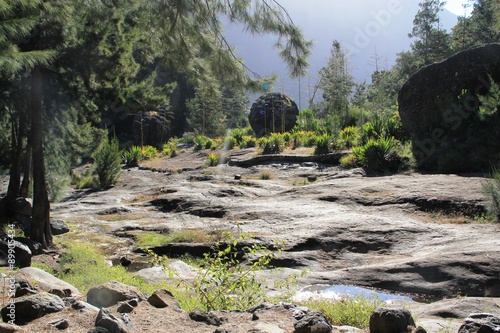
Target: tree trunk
17	151
25	185
40	223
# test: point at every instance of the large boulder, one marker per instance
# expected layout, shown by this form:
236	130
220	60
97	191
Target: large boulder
14	253
110	293
480	322
32	307
47	282
272	113
439	105
385	320
151	128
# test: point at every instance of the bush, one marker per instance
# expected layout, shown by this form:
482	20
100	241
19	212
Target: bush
349	136
149	152
273	144
374	154
199	142
238	135
346	312
492	190
107	163
230	143
324	144
133	156
170	148
348	161
213	159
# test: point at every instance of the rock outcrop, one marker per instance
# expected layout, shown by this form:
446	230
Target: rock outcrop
273	113
110	293
439	104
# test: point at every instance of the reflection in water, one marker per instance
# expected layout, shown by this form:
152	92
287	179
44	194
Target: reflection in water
337	292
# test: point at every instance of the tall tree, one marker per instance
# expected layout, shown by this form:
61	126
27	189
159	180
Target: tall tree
480	28
432	43
337	84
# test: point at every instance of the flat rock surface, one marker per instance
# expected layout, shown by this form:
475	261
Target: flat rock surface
402	233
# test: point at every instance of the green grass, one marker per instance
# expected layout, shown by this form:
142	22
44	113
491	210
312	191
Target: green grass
346	312
146	239
265	175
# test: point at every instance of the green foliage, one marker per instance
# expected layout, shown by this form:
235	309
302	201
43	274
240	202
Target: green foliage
272	144
214	159
238	134
230	143
373	154
306	121
348	161
248	142
303	138
491	188
346	312
149	152
490	103
170	148
85	180
226	283
107	163
350	136
324	144
133	156
200	142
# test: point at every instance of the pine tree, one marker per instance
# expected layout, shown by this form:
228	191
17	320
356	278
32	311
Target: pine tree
432	43
337	84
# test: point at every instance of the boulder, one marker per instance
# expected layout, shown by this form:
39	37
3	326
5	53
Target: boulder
110	293
163	298
114	325
58	227
22	206
385	320
46	282
18	251
313	322
34	246
32	307
480	322
439	116
205	317
272	113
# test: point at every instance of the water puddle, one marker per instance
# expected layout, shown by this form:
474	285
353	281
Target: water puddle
338	292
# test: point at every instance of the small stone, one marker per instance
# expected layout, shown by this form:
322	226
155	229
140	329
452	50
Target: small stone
61	324
205	317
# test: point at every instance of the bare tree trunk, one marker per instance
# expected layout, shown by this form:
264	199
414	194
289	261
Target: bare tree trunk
15	167
25	185
40	223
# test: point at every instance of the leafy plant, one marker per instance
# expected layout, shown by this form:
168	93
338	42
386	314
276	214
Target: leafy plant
265	175
491	188
324	144
133	156
273	144
374	155
213	159
149	152
199	142
107	163
348	161
170	148
346	312
349	136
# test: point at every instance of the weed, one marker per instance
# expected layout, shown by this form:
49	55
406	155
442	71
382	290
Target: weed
265	175
133	156
149	152
214	159
348	161
348	312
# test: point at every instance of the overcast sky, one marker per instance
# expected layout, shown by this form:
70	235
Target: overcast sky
364	27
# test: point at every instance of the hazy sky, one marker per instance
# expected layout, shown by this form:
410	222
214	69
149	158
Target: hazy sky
366	28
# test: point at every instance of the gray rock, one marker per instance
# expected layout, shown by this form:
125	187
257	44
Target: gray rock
313	322
22	254
205	317
34	246
61	324
273	113
163	298
58	227
480	323
46	282
112	324
385	320
110	293
32	307
84	307
22	206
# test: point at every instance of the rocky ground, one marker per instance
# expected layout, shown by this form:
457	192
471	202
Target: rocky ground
423	235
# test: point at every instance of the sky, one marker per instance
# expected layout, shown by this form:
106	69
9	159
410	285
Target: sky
367	29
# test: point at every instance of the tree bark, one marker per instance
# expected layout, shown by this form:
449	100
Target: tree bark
40	223
25	185
15	166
